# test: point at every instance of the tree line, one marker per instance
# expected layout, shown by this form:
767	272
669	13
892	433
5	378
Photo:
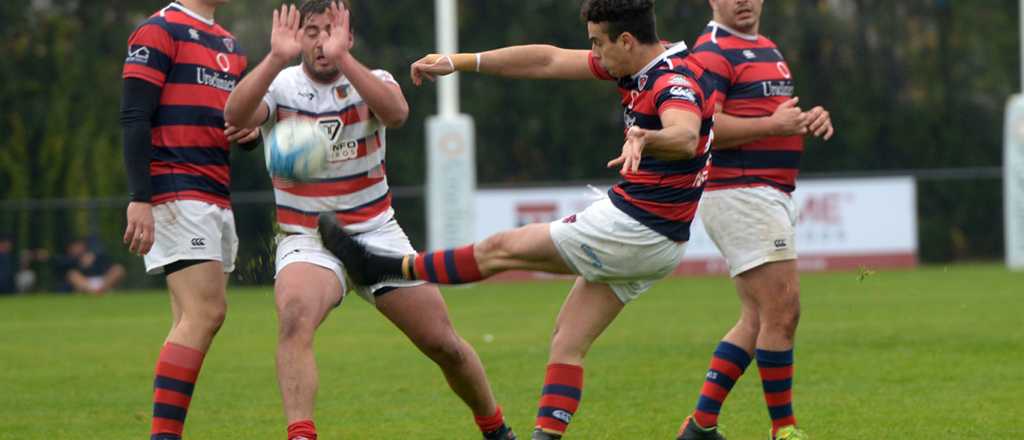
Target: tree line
911	85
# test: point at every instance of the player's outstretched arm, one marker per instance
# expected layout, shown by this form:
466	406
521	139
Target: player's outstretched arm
385	99
677	140
536	61
245	107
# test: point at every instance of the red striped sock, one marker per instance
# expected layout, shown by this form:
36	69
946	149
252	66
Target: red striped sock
727	365
302	430
560	398
176	373
490	423
776	368
452	266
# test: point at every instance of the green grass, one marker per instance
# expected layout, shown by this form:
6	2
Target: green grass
928	354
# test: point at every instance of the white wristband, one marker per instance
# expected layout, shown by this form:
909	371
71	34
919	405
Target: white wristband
478	62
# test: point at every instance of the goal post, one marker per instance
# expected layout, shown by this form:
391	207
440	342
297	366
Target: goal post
451	150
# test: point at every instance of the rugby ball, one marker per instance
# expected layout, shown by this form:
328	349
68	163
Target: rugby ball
296	149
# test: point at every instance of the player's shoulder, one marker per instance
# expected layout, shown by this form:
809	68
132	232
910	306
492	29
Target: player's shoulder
156	22
766	43
672	78
290	77
708	41
685	79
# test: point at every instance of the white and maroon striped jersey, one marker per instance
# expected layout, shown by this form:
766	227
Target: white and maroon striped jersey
353	185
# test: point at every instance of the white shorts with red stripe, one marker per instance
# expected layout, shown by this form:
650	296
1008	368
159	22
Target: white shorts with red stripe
388	239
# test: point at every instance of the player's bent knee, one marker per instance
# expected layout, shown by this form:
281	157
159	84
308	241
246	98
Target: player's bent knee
783	320
295	331
492	247
206	320
297	321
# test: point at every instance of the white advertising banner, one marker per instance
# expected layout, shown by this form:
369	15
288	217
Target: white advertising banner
843	223
451	181
1013	182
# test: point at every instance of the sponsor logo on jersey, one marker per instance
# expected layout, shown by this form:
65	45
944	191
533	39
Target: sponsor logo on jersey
207	77
777	88
679	81
683	93
138	56
784	70
224	62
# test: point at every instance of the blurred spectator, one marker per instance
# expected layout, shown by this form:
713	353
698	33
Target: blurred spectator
8	265
87	270
32	263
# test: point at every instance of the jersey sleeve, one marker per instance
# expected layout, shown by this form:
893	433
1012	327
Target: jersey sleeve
677	92
717	66
273	96
597	69
150	54
385	76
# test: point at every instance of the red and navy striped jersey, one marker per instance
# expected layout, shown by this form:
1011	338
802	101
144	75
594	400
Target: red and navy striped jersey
751	80
663	195
197	64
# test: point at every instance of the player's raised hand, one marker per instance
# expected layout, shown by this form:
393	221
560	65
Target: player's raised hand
286	34
819	123
430	67
632	151
340	40
789	120
140	233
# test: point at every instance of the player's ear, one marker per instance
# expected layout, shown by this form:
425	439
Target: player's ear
627	40
351	40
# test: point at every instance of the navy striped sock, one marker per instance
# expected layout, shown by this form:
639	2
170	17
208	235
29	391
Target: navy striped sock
727	365
560	398
176	372
452	266
776	369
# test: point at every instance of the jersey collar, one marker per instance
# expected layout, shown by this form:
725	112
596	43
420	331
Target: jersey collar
716	25
187	11
675	49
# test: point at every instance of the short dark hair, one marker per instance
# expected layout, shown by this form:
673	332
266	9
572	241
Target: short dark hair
619	16
316	7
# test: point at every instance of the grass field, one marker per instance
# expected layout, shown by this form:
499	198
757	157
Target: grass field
929	354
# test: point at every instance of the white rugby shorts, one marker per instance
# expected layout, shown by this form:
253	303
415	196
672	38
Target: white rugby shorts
192	230
389	239
751	226
605	245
